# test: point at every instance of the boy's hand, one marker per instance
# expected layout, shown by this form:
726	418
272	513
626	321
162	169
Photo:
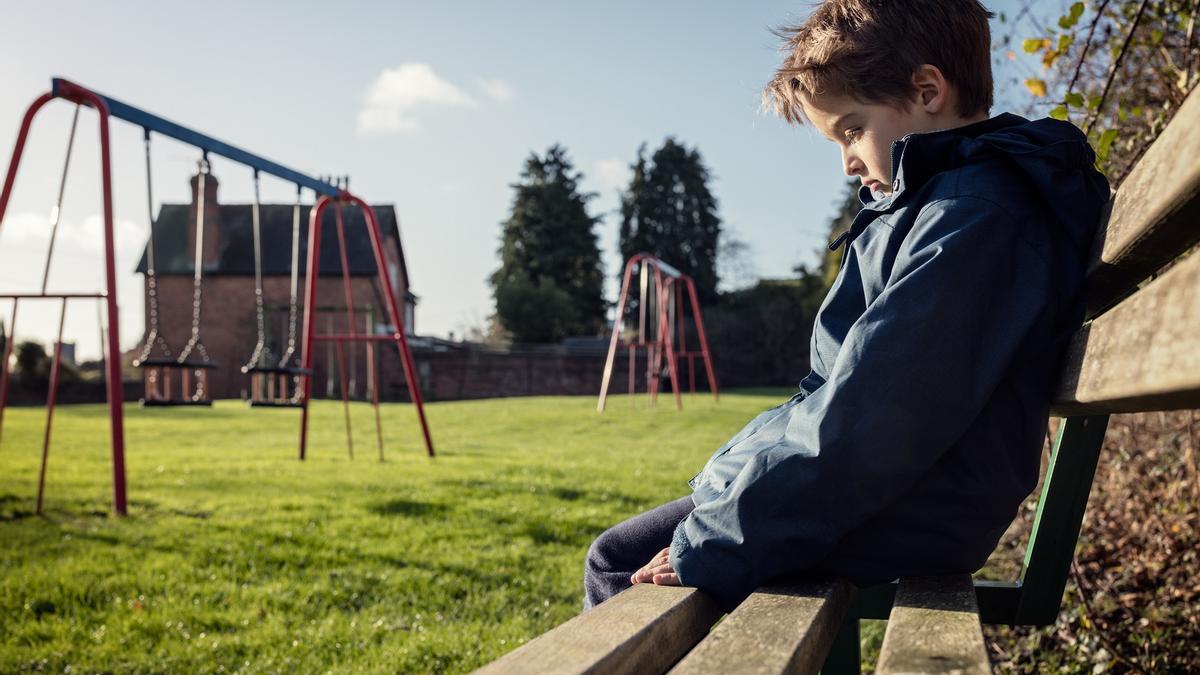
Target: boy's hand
658	570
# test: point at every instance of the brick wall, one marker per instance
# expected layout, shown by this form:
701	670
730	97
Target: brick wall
471	371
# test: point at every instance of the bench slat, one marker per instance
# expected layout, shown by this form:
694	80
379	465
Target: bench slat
644	629
785	629
1154	213
1142	355
934	628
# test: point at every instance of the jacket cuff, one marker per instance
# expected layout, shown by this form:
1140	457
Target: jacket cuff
719	574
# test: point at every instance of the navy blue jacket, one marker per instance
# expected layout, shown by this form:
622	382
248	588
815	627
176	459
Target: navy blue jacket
918	431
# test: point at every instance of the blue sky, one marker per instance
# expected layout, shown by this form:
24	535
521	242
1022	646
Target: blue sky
430	106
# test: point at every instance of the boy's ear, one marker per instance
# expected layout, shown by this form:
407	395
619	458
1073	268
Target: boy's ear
932	89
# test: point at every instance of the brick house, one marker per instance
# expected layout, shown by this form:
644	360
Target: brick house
228	325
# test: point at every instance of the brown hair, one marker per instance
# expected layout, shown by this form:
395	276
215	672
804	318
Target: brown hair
869	50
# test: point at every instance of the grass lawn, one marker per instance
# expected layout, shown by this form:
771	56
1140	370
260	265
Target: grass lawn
237	557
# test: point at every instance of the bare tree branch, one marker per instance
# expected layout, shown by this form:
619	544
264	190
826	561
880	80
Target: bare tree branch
1187	45
1116	64
1087	44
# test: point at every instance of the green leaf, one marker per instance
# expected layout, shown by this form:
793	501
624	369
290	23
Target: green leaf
1064	43
1156	36
1032	45
1059	113
1105	143
1094	101
1071	17
1036	86
1074	99
1137	111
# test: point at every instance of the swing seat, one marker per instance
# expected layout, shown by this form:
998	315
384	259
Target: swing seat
160	362
274	404
169	364
172	403
263	394
276	370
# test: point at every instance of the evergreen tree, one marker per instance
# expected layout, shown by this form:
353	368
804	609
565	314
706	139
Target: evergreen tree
669	212
550	281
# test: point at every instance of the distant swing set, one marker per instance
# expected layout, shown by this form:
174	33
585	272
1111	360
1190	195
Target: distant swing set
660	330
171	379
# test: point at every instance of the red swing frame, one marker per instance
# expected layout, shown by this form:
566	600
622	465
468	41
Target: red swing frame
311	337
664	338
112	362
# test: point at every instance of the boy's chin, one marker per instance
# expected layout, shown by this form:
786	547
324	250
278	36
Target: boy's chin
877	194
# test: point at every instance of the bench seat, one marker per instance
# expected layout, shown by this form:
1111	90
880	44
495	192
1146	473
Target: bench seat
934	628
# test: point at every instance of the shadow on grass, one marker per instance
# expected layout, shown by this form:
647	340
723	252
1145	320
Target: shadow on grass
153	508
7	516
404	507
9	510
15	507
570	535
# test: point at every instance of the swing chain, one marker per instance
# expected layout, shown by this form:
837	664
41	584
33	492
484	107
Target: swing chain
56	213
153	337
198	276
292	304
259	354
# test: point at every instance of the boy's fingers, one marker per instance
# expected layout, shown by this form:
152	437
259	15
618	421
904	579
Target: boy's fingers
666	579
658	569
659	564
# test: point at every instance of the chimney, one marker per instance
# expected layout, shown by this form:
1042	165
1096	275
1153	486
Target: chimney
212	220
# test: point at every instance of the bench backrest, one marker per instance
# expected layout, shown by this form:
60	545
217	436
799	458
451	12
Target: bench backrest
1139	352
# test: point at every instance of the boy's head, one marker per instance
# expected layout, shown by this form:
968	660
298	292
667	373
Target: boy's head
867	72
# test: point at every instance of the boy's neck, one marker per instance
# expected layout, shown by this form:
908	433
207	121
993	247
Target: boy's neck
952	121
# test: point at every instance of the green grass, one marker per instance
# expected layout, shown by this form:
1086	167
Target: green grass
237	557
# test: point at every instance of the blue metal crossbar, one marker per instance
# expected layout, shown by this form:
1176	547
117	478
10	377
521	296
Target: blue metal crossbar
208	144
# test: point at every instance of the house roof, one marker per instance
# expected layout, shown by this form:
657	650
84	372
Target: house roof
236	254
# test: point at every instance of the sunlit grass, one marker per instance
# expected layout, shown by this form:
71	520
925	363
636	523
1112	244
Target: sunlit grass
238	557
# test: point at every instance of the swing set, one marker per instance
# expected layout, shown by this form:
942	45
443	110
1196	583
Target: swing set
661	330
181	379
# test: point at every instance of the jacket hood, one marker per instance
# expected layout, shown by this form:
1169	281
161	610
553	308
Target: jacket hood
1054	156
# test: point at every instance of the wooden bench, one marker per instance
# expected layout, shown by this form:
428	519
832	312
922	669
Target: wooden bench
1139	351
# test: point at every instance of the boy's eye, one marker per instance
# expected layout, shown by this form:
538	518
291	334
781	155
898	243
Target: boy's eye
853	133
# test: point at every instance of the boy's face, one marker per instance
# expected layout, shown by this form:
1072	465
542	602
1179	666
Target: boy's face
864	132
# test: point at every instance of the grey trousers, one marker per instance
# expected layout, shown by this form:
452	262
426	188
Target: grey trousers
622	549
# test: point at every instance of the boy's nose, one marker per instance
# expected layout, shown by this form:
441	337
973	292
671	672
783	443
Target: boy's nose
851	165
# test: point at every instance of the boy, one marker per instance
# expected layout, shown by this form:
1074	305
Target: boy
918	431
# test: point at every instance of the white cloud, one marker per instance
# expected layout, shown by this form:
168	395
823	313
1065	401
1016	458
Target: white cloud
612	173
397	93
498	90
78	251
30	232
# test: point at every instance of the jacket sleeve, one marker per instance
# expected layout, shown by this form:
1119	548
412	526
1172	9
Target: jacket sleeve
914	371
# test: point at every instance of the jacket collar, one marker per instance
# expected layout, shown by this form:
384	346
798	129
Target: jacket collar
916	158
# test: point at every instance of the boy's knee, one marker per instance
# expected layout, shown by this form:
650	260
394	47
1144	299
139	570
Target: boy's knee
599	554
